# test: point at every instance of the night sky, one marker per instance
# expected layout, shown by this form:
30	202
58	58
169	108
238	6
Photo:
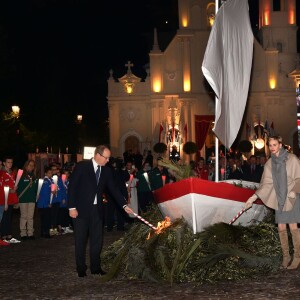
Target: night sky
55	56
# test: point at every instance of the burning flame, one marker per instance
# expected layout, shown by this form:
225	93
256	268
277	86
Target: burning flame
161	226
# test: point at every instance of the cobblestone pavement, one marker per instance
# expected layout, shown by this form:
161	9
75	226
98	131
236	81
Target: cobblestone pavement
45	269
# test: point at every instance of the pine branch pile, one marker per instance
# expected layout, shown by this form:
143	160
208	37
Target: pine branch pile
178	170
221	252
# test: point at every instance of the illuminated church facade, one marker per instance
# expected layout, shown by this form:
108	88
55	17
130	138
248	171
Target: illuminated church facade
174	103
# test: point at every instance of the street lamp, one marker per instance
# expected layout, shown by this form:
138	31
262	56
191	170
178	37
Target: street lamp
15	111
79	132
79	119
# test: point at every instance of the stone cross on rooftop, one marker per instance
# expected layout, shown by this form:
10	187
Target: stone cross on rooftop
129	65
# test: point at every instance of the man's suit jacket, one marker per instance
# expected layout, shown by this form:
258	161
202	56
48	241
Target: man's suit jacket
249	175
83	188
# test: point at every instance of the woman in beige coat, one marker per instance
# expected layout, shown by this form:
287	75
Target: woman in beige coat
278	189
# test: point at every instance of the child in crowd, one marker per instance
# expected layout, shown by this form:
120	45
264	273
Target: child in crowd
43	203
58	201
64	218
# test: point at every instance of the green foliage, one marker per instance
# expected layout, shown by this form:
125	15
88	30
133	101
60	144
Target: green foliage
190	148
220	252
178	170
160	148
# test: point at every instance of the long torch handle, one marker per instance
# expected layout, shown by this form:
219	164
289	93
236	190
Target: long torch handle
145	221
237	216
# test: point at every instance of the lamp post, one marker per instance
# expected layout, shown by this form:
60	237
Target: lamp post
15	111
16	115
79	120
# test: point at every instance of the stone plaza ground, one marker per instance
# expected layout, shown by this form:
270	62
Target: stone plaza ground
45	269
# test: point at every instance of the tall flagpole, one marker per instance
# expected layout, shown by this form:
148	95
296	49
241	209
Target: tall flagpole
216	138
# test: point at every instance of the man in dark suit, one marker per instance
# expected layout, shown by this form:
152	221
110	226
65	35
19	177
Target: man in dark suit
87	183
251	170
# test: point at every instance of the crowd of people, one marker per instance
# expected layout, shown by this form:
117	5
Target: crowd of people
135	175
231	167
48	196
29	194
107	192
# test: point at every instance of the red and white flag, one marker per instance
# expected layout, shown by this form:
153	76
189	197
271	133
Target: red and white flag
227	66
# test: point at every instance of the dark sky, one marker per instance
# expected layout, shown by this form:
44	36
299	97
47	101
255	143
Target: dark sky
55	54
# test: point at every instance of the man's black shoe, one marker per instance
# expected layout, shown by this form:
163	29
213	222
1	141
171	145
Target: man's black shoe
99	272
81	273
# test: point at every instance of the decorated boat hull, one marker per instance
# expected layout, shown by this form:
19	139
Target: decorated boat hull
203	203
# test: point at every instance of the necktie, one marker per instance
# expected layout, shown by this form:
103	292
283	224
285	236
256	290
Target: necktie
98	174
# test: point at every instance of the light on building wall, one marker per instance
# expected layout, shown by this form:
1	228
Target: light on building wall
267	18
259	143
187	86
129	87
79	118
291	17
211	19
184	21
272	83
16	111
156	86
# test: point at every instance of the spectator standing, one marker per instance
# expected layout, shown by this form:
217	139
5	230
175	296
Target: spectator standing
251	170
65	219
27	189
145	196
58	202
7	178
237	171
156	176
43	204
201	170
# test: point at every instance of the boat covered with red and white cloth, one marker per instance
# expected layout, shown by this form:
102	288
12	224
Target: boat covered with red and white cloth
203	203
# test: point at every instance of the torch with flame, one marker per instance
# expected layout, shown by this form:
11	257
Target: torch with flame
161	226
